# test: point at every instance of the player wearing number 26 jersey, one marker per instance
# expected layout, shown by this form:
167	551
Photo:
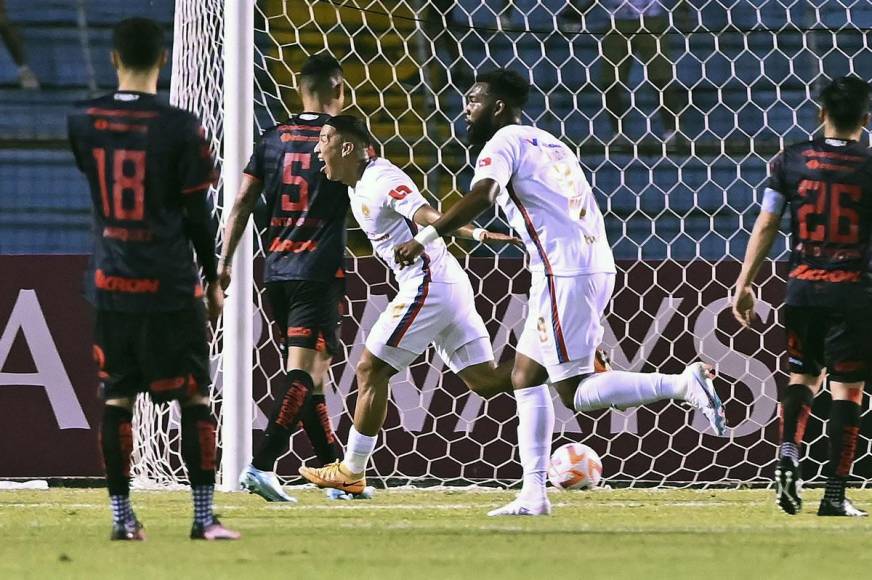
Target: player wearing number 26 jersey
826	185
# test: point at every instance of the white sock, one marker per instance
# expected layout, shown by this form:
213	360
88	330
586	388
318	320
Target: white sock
535	429
622	390
358	451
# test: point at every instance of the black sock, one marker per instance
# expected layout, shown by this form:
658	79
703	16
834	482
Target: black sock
116	441
794	412
284	417
842	432
198	444
316	422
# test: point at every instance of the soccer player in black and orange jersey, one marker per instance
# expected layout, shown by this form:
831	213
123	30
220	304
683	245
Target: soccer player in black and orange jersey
827	184
150	168
304	274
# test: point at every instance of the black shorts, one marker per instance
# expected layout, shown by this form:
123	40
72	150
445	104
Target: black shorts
835	339
308	313
164	354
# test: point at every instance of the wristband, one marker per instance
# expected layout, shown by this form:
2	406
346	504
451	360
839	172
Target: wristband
478	234
427	235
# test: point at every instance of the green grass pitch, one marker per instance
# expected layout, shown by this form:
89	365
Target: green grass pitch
410	534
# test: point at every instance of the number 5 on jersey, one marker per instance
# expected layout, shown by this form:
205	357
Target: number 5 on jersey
291	179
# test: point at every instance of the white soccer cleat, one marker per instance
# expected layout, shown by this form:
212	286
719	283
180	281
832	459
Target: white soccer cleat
702	395
520	507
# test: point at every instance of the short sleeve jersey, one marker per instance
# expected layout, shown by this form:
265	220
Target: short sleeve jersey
384	203
827	184
306	234
547	201
141	157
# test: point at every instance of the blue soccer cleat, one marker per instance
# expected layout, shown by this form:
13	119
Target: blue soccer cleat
265	484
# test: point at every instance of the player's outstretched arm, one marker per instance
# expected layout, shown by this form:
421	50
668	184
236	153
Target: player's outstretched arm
426	215
481	197
243	205
762	238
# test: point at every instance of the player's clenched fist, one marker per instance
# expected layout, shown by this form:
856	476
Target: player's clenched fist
406	253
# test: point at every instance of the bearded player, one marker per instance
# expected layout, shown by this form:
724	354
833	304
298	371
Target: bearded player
435	303
538	183
827	185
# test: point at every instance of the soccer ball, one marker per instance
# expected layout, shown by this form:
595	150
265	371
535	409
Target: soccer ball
575	466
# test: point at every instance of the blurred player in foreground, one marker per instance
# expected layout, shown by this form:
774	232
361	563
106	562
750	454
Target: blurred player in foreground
304	274
827	184
435	303
538	183
150	170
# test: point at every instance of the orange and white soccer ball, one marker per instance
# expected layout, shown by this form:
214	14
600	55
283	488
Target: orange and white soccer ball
575	466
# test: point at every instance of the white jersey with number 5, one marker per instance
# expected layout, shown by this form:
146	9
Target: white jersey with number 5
547	200
435	303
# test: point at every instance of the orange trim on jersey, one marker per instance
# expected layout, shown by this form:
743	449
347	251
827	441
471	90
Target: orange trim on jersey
122	113
198	187
299	128
804	272
288	137
128	285
831	155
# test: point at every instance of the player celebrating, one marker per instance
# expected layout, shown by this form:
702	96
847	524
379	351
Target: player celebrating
304	275
150	170
827	182
537	181
435	302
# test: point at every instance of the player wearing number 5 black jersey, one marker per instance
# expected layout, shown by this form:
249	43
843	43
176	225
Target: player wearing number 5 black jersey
150	168
827	186
305	247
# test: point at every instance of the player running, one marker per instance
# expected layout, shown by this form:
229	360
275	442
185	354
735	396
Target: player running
304	275
538	183
827	183
435	302
150	169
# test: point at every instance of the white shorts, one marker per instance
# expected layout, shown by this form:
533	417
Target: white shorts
437	313
564	322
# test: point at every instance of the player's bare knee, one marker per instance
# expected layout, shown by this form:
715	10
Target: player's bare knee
372	371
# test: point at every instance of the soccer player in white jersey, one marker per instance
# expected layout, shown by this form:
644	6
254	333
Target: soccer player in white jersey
538	183
435	302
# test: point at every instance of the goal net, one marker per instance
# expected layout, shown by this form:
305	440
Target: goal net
674	116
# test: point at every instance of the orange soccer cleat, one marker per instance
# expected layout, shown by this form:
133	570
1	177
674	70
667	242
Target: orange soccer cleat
336	476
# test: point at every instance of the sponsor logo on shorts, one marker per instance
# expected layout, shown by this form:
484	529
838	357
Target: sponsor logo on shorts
397	310
299	331
795	362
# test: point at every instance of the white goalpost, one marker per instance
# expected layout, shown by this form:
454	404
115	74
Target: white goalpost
678	213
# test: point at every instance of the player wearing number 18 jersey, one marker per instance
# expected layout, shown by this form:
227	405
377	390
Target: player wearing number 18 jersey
538	183
827	185
304	276
150	168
